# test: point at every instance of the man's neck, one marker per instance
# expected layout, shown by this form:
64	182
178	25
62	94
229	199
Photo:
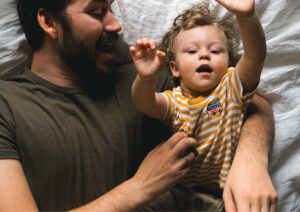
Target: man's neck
47	65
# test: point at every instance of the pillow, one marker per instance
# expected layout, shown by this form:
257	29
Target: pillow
14	50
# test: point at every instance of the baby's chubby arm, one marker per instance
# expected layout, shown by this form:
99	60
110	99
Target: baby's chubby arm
149	62
253	38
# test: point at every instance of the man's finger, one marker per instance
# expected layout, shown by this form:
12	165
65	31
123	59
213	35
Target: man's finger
265	207
242	204
269	204
256	206
229	202
174	139
273	204
188	159
183	147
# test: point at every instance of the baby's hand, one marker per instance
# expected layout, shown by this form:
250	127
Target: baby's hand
147	58
238	7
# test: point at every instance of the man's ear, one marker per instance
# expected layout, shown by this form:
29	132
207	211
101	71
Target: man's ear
174	70
47	22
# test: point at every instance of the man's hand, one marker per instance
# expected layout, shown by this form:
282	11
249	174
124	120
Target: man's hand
166	165
147	58
248	186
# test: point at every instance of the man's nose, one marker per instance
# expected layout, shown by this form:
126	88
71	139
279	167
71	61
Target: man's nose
111	23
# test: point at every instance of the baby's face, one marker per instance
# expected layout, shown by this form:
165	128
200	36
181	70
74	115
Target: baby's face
201	59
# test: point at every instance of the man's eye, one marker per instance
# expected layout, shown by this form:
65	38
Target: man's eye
98	15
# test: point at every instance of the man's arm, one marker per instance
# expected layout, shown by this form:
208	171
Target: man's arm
15	194
249	186
161	169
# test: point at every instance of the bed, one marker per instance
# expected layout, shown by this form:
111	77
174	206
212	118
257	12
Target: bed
280	81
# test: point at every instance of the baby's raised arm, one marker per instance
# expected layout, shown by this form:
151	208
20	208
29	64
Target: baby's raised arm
149	62
253	38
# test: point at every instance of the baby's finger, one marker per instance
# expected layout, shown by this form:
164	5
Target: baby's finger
161	54
152	44
132	49
145	43
139	44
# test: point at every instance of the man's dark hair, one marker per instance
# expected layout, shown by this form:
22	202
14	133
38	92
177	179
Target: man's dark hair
27	11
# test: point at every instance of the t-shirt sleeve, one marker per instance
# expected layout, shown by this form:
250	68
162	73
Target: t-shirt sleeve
170	98
237	87
8	146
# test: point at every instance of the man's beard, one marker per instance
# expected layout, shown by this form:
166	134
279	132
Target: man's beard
97	82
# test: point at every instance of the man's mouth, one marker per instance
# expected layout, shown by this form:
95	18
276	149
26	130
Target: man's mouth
107	42
106	48
204	69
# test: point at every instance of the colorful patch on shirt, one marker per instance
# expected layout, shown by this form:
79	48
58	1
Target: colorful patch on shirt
214	108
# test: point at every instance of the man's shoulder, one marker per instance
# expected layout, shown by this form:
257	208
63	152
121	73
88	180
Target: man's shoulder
9	86
14	84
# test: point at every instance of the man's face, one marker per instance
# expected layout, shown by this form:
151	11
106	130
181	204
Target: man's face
89	34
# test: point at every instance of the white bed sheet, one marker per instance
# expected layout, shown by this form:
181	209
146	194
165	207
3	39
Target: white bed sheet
280	82
14	50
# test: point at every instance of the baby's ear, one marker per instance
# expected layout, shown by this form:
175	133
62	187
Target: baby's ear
174	70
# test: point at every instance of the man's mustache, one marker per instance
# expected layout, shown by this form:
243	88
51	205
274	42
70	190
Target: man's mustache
107	40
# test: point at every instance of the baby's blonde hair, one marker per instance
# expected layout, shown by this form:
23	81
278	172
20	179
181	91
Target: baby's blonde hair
200	15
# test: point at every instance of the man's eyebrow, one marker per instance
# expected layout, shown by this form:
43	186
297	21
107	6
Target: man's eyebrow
91	2
105	1
108	2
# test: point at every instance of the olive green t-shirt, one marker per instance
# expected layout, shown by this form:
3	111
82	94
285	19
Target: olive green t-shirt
73	148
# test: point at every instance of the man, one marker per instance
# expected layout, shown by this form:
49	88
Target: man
69	133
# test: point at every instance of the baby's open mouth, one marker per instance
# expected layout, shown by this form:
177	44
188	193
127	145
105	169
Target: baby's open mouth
204	70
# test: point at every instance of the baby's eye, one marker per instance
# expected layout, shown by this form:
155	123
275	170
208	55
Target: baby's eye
191	51
214	51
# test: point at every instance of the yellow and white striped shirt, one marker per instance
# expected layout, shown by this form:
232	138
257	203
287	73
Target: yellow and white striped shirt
215	121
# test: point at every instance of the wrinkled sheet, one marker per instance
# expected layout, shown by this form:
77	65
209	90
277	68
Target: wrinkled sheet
280	81
14	50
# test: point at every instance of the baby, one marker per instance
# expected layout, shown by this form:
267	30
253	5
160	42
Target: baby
214	87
